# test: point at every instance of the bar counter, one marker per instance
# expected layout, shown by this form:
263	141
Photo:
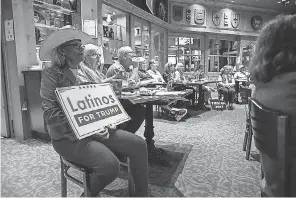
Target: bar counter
32	79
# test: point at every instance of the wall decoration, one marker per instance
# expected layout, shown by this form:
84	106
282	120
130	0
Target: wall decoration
188	15
199	16
235	19
216	18
177	13
226	19
256	22
90	27
161	9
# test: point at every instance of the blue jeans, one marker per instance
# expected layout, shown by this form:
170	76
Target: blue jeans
99	156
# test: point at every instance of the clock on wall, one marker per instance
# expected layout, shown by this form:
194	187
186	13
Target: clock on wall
256	22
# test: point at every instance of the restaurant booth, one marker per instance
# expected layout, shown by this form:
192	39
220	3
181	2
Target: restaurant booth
203	36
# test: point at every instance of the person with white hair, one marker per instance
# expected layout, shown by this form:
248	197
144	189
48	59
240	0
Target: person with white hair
179	76
91	64
226	86
136	112
64	48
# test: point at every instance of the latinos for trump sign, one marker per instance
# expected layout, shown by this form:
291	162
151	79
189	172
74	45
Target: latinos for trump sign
90	108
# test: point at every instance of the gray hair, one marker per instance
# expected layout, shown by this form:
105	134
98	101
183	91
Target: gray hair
91	48
179	65
57	57
124	50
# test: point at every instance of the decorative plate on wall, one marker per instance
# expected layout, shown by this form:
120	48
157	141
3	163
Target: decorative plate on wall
256	22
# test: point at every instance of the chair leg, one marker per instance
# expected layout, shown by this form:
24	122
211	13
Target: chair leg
249	143
86	184
246	135
63	179
131	184
245	141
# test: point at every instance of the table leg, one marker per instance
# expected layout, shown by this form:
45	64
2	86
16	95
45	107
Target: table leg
149	131
201	99
154	154
236	92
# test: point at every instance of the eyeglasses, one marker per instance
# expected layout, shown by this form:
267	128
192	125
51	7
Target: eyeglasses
132	54
95	55
76	45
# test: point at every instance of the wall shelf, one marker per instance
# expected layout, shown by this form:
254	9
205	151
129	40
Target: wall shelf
52	7
41	25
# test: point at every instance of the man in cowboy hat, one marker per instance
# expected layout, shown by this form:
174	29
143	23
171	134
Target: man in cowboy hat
65	50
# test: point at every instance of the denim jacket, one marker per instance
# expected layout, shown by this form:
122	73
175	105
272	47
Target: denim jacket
52	78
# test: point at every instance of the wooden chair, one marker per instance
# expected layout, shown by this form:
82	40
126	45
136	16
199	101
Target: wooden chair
275	135
85	184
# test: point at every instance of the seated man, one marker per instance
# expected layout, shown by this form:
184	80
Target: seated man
136	112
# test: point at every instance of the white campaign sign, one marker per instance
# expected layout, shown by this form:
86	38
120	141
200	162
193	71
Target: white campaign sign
90	108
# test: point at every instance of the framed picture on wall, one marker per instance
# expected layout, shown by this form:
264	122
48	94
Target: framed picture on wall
161	9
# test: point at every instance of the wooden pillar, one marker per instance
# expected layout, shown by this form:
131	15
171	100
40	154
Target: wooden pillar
100	21
132	31
23	15
166	50
12	72
239	55
206	53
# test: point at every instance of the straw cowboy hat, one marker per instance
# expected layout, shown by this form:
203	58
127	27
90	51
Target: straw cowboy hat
59	37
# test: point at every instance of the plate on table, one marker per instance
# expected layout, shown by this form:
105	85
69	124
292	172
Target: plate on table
169	93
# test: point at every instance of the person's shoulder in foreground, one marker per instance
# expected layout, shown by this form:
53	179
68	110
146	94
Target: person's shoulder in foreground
273	67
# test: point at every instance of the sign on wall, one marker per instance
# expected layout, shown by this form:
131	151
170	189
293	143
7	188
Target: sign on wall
177	13
256	22
190	14
161	9
199	16
225	18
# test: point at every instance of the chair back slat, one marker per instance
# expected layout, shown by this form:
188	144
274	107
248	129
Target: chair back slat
275	136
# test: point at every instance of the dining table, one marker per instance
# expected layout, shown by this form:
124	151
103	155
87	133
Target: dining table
199	83
160	97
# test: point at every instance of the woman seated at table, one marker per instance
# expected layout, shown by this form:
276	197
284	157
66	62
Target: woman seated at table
169	72
226	85
242	75
152	71
65	51
170	110
91	63
242	87
273	71
180	78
